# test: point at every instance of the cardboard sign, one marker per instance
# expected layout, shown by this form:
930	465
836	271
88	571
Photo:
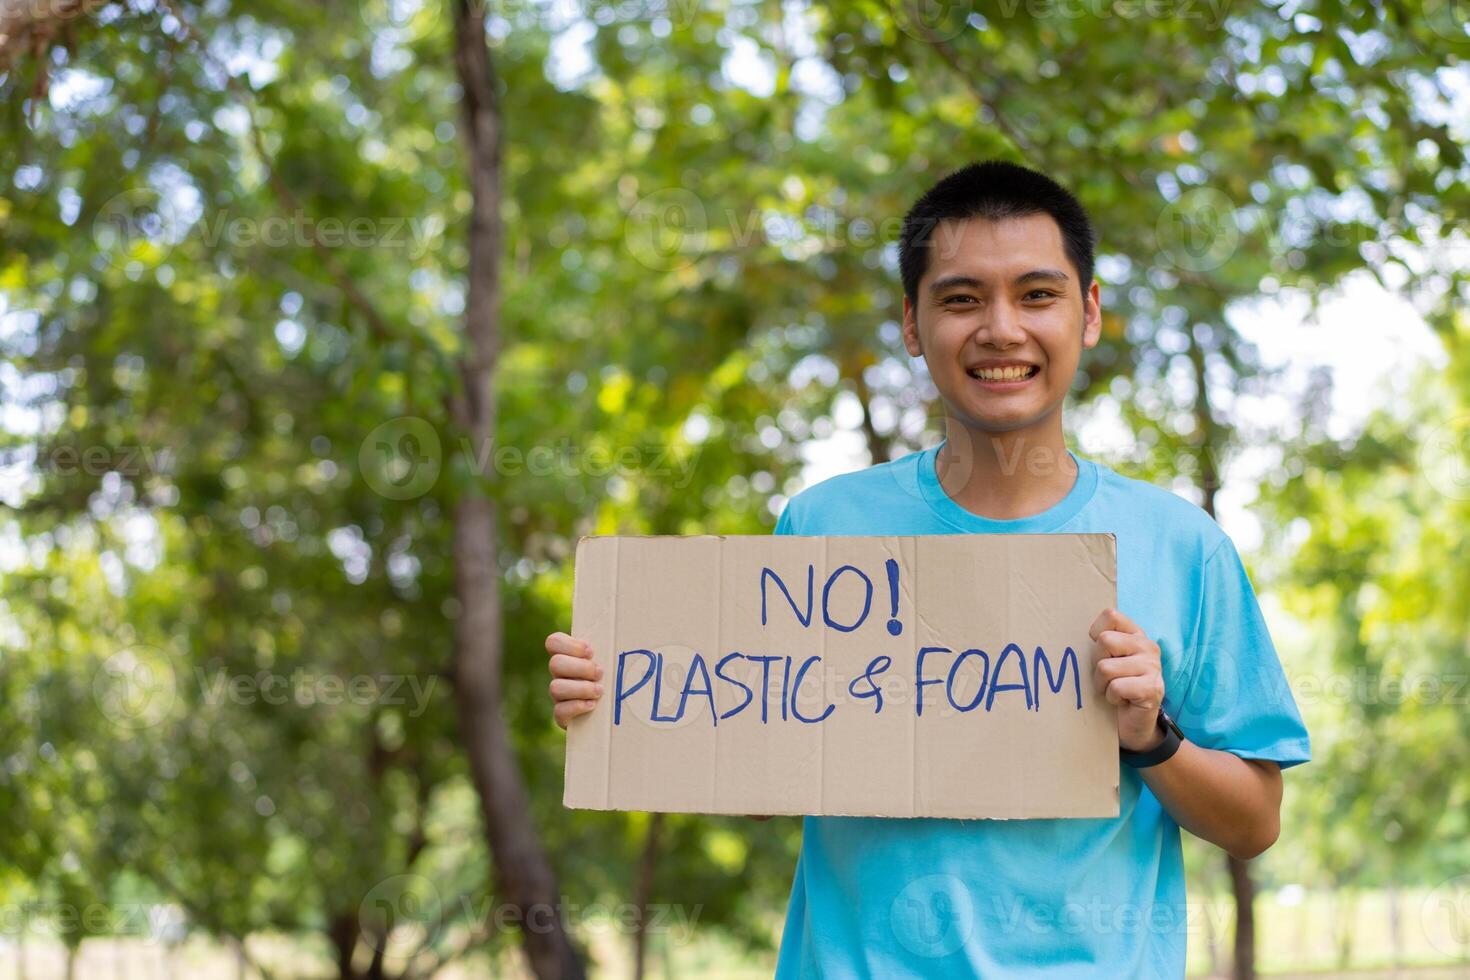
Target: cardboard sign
938	676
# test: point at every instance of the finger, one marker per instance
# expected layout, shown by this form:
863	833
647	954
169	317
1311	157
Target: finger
1112	619
1119	644
569	645
1109	675
565	689
1130	666
564	665
1140	692
565	711
1114	668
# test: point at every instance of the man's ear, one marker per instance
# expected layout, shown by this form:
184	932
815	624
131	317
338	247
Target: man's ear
911	330
1091	317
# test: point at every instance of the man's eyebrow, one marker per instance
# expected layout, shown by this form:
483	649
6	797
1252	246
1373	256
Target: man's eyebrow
970	282
1049	275
955	282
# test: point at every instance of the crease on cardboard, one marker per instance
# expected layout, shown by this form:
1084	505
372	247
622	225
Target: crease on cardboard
612	638
914	801
1010	617
822	731
714	786
1107	544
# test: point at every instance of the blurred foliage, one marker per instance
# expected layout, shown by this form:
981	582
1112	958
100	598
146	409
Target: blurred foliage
699	278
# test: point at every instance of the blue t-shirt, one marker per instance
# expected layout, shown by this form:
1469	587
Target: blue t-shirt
884	897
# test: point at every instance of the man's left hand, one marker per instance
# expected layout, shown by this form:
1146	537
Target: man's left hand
1131	676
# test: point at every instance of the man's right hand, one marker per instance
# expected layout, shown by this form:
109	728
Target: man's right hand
575	677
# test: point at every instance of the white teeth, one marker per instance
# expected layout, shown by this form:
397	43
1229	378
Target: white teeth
1001	374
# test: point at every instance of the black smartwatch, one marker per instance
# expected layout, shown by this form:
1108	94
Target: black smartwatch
1162	752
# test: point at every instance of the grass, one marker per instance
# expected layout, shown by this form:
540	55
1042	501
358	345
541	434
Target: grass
1299	934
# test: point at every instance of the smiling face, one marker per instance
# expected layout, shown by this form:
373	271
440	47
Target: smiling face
1000	321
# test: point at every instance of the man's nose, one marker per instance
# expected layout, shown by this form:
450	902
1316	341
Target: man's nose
1001	327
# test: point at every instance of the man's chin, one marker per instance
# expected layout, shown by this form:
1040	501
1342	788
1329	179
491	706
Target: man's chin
996	423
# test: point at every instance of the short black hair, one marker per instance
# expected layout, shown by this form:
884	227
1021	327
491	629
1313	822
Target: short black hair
993	190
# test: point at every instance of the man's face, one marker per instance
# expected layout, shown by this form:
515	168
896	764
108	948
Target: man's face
1000	321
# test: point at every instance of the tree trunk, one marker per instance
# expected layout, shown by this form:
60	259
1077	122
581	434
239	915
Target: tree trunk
1244	963
522	871
1345	908
34	25
879	448
1395	927
647	867
1212	946
343	931
1208	480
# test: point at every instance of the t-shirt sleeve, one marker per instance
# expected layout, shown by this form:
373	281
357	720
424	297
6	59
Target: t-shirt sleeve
1237	699
783	523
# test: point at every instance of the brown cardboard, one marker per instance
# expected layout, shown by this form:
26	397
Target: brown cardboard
700	598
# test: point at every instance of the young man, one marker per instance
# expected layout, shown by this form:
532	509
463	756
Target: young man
1000	302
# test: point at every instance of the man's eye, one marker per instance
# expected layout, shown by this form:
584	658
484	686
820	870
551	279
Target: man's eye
959	299
1040	294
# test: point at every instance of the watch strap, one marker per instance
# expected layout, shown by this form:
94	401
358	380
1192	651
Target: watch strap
1163	752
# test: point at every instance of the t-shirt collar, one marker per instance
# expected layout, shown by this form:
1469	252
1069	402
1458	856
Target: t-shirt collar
1050	519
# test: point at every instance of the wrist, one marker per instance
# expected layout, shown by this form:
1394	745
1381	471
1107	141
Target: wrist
1163	742
1147	743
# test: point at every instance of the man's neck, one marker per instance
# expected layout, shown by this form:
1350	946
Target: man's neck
1006	475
